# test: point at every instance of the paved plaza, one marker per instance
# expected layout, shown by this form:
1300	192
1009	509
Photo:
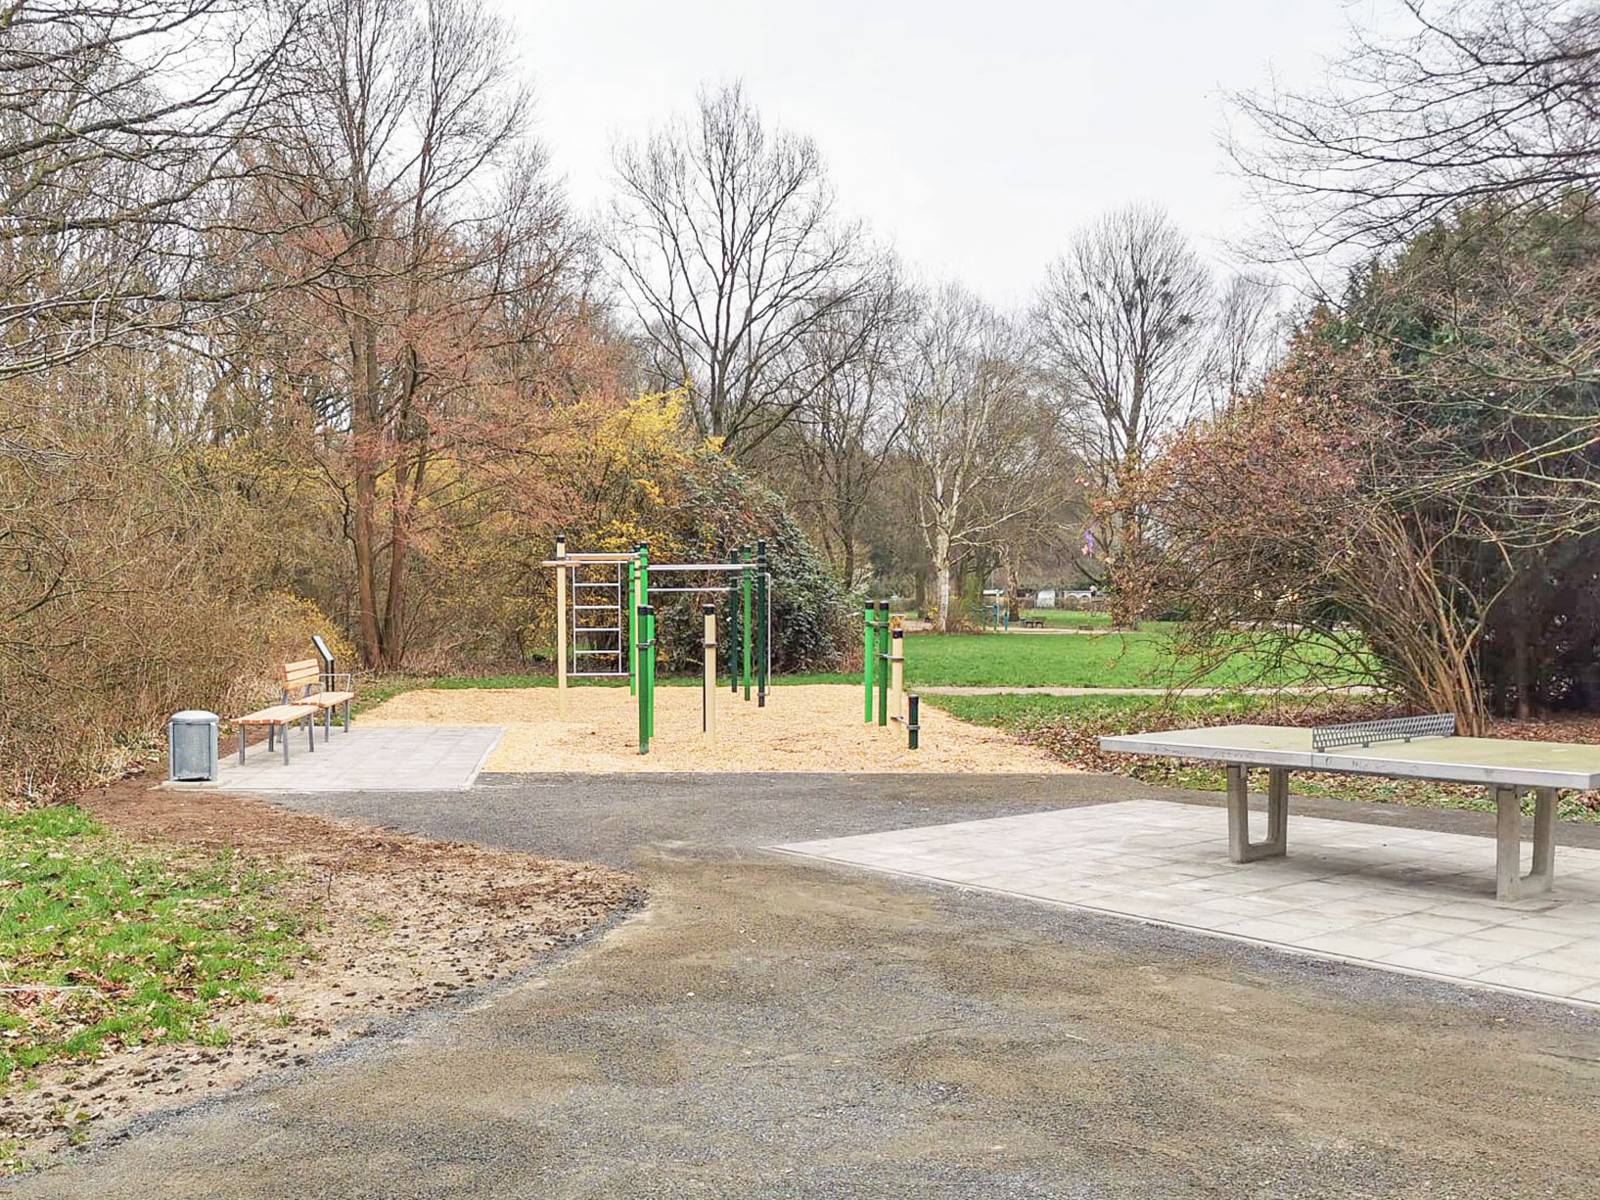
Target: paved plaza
416	758
1411	900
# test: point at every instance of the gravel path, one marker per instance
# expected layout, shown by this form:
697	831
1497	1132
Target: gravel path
772	1028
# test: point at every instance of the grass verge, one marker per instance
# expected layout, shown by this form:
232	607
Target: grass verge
1146	658
104	944
1068	728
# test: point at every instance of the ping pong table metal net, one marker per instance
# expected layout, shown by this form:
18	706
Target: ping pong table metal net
1391	729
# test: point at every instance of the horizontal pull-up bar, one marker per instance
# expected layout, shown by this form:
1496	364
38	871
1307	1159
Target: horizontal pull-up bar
583	560
749	566
707	588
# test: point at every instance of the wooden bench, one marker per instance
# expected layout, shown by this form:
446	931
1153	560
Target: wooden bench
280	717
304	683
1032	623
303	698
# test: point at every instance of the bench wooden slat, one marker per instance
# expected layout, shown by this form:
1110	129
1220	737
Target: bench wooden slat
278	714
327	699
298	674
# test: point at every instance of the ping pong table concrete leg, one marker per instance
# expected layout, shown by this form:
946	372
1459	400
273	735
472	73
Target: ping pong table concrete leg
1543	876
1240	848
1509	881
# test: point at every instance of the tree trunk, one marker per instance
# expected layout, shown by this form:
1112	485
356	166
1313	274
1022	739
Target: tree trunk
407	487
942	569
364	434
366	592
1126	579
1522	670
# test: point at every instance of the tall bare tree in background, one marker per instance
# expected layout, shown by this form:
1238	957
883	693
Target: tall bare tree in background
1246	335
1122	321
853	411
120	124
729	251
1486	100
984	447
433	246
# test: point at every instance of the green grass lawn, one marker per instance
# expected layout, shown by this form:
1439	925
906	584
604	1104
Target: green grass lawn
103	944
1144	658
1067	618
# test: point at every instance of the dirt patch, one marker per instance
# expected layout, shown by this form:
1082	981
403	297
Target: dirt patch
805	727
397	922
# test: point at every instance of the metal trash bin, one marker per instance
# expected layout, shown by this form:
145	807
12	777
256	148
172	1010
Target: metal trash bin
192	746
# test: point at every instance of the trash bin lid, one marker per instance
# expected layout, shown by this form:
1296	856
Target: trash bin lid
195	716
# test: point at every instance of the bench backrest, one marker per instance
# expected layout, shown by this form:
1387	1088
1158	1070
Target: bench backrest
301	678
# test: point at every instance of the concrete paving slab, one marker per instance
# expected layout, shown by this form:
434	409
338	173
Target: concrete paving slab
1417	901
392	758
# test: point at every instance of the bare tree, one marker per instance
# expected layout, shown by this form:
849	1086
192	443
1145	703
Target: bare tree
433	247
1246	334
984	446
854	408
1487	100
1122	321
119	126
727	247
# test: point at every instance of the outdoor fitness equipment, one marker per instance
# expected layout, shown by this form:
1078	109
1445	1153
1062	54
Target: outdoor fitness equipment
994	611
883	672
606	623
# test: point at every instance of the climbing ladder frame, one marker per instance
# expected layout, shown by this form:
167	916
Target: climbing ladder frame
614	598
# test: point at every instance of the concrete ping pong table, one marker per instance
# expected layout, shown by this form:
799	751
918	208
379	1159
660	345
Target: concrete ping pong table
1403	748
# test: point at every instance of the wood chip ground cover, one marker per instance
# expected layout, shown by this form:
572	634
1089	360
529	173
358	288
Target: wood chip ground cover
807	727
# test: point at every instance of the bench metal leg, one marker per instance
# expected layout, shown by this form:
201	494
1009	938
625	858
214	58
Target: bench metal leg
1240	848
347	716
1509	881
241	745
311	732
285	740
272	732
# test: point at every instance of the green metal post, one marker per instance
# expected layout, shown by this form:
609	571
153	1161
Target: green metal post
763	622
644	599
638	594
746	628
869	647
642	617
650	671
883	662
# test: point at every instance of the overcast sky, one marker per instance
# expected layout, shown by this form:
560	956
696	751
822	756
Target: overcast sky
975	136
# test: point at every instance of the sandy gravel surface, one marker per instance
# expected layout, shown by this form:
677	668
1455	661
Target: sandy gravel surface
810	727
